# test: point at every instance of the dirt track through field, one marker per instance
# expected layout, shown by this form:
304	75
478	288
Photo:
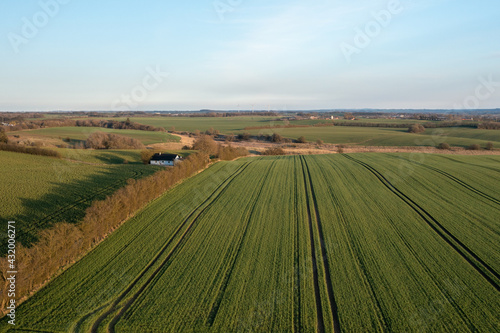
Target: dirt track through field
474	260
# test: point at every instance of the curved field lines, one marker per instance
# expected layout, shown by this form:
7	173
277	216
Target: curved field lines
327	243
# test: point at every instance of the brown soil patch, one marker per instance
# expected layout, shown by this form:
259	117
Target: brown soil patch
255	147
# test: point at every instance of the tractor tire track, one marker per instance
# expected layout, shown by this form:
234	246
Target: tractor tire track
214	309
297	320
317	295
363	272
486	271
324	255
459	182
194	216
466	163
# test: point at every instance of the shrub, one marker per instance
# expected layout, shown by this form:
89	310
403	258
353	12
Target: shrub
274	151
276	138
211	131
474	147
205	144
100	140
416	128
301	140
228	153
444	146
340	149
489	146
28	150
319	142
146	156
244	136
3	137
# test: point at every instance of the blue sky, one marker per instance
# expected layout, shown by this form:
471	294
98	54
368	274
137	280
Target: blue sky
248	54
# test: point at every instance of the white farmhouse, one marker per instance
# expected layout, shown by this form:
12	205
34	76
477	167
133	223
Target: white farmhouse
164	159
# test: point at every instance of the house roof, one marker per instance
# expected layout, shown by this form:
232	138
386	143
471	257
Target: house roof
164	157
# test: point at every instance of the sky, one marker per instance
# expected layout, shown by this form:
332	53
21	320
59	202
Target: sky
249	54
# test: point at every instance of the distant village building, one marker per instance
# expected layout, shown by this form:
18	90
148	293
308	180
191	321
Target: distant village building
164	159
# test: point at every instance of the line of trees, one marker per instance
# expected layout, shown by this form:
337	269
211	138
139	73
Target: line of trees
274	151
207	145
113	124
29	150
416	128
489	125
441	124
65	243
101	140
229	114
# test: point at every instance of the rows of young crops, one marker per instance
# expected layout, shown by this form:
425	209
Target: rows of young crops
362	242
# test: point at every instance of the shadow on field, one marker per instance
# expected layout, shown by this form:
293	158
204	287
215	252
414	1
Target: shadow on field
67	201
119	158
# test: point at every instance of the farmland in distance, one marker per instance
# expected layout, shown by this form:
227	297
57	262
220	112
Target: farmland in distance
361	242
352	135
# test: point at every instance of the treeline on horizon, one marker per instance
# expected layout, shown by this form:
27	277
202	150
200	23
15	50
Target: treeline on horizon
443	124
435	115
111	124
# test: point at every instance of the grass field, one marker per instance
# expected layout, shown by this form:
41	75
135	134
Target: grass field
361	242
38	191
80	134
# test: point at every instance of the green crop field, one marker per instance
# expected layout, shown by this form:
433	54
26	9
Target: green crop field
364	136
354	243
223	124
38	191
82	133
375	136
